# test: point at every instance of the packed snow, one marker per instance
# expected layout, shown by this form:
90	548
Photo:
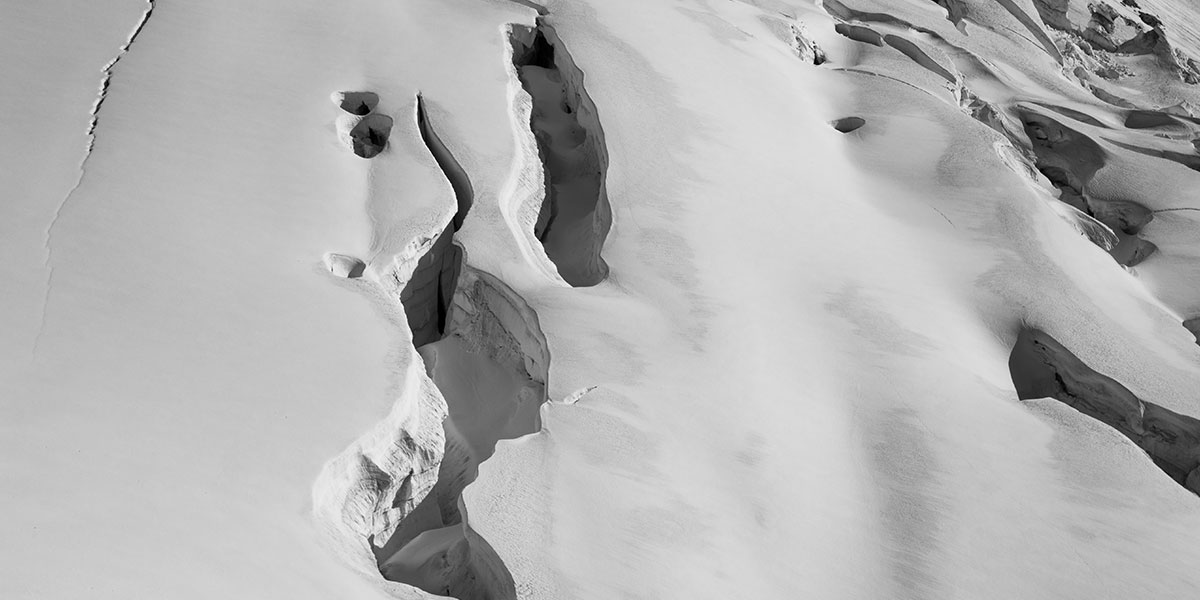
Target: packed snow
586	299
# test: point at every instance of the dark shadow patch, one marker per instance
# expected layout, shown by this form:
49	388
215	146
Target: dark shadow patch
1193	327
1067	157
464	194
427	295
848	124
356	103
859	33
1043	368
575	216
342	265
370	136
1149	119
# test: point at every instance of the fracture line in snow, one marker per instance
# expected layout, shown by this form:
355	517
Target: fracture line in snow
1163	210
105	81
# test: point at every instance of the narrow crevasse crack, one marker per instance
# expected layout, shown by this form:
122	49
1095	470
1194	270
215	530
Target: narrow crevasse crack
1041	367
1163	210
858	71
1068	158
463	192
575	215
101	96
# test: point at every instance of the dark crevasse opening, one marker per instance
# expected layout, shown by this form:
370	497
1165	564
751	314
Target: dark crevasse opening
1043	368
1070	159
356	103
483	349
488	359
1193	327
370	136
575	215
464	194
848	124
426	296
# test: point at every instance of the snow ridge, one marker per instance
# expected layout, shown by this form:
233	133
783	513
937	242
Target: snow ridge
101	95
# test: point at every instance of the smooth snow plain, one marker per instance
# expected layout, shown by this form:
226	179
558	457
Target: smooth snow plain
792	382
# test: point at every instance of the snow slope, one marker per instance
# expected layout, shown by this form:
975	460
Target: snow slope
244	362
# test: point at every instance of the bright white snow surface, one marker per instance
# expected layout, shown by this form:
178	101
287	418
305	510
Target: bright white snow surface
799	355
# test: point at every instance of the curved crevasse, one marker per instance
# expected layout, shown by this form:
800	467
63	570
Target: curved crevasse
464	193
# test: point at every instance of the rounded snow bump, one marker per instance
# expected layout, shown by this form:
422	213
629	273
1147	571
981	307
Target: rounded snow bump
344	266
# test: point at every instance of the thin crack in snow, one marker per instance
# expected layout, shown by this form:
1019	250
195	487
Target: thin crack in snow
577	395
105	82
945	217
1163	210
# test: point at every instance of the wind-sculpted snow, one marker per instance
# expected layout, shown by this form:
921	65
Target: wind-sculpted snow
321	256
344	266
1070	160
1043	368
575	216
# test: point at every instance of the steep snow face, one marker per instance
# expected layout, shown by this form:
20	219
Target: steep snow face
597	299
